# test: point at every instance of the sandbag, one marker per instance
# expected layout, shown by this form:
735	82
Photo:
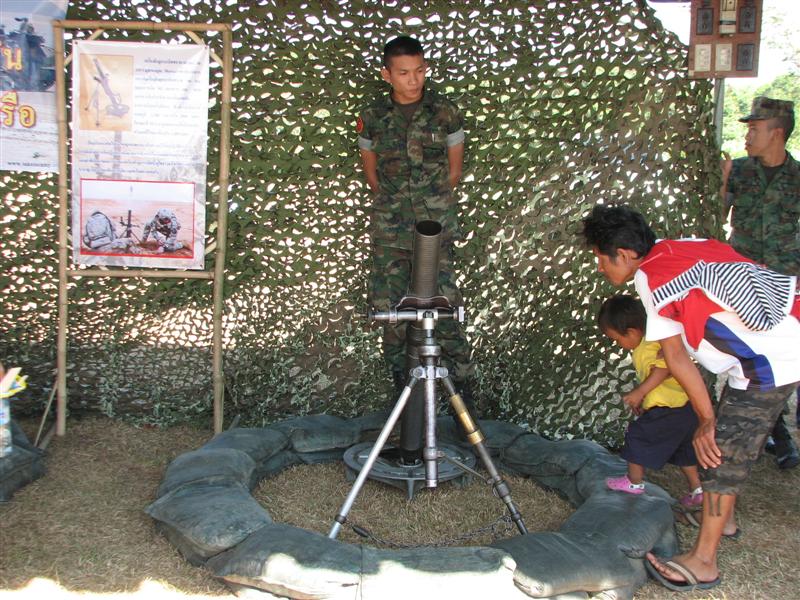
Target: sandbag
468	573
552	464
633	524
203	520
216	466
260	444
293	562
22	465
315	433
552	563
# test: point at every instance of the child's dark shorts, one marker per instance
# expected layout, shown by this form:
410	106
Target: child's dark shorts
662	435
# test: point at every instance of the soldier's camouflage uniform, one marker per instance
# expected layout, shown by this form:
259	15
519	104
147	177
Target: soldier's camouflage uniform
164	228
765	220
413	179
766	216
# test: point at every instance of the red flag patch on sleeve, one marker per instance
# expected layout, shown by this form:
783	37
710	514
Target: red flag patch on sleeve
359	125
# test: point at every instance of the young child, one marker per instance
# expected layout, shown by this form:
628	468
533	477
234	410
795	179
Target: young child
663	432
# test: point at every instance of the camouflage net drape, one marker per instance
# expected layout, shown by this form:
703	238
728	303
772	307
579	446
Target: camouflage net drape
566	103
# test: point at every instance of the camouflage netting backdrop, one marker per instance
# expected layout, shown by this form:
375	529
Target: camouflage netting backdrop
566	103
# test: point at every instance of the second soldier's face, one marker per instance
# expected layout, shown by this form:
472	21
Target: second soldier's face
406	75
760	137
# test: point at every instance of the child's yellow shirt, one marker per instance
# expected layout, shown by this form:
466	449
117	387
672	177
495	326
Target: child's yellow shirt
669	393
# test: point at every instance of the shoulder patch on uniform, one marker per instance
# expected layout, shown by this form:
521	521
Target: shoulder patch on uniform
359	125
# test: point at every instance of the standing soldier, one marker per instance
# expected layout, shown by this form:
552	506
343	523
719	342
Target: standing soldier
412	151
763	191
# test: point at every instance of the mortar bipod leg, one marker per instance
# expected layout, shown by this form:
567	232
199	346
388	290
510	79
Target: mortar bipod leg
341	518
475	437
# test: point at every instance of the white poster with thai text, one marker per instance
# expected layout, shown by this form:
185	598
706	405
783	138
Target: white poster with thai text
139	141
28	126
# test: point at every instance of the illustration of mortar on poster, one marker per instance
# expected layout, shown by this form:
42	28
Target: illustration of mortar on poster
139	118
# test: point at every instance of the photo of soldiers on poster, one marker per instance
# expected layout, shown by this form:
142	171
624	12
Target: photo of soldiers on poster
136	218
28	127
139	126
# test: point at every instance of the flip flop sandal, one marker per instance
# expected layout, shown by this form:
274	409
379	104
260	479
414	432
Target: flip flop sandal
691	582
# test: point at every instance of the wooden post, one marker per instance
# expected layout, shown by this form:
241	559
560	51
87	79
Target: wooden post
63	241
222	226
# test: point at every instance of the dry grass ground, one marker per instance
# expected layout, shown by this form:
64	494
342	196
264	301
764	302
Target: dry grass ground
80	531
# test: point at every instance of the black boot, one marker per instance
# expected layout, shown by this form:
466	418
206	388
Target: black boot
786	454
399	380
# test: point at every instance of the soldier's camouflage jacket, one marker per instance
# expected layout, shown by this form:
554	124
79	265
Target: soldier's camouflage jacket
413	168
766	218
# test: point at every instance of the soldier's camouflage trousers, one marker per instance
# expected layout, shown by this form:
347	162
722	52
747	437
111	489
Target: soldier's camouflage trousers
744	421
389	281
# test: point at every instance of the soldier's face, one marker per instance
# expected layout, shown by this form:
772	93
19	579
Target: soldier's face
406	75
761	137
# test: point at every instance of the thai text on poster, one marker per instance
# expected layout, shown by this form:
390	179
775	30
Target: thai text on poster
28	127
139	122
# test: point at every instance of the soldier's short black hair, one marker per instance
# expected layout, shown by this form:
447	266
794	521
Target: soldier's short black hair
610	227
785	122
620	313
401	46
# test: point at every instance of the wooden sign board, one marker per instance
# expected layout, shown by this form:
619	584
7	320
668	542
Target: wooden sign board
724	38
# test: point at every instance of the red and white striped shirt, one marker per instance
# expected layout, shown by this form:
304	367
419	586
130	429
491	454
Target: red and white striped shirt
734	315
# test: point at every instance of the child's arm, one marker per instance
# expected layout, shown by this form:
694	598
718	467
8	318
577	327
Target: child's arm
634	398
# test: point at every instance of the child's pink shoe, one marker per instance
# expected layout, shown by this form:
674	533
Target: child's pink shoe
623	484
692	500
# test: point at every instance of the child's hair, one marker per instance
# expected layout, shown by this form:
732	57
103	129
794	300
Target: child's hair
611	227
401	46
620	313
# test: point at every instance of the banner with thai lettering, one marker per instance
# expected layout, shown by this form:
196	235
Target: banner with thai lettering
139	140
28	128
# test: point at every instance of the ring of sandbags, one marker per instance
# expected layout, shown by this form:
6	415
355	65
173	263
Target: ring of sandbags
204	507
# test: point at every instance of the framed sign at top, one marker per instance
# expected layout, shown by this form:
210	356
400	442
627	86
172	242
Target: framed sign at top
724	38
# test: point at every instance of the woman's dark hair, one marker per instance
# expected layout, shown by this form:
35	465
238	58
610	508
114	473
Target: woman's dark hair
401	46
620	313
611	227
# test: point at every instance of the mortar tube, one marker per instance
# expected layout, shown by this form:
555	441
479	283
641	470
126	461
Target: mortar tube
424	284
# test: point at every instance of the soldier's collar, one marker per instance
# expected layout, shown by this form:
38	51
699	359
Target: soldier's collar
428	95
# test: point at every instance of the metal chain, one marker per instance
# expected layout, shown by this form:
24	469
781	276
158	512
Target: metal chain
494	528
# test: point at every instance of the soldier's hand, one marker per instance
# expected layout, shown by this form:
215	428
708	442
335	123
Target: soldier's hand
725	165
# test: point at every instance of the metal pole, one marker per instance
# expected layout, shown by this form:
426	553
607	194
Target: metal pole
719	106
341	518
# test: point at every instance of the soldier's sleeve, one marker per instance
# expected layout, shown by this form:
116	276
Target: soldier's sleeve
362	129
455	126
733	180
173	231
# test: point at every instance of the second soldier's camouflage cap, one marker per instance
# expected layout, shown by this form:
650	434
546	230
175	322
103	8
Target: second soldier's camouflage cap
768	108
